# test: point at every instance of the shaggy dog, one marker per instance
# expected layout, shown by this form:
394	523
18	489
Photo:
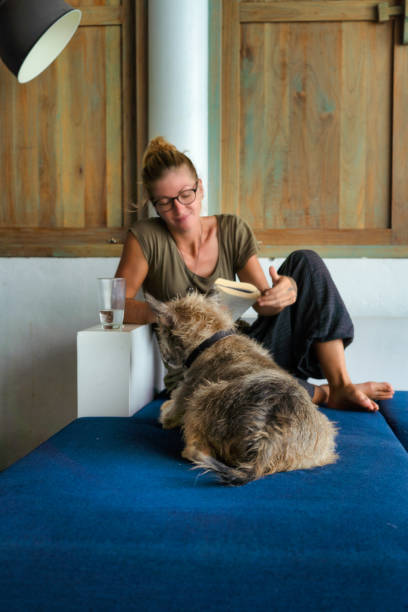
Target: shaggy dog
242	415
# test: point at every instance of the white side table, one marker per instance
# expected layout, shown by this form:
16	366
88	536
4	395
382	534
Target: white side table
118	370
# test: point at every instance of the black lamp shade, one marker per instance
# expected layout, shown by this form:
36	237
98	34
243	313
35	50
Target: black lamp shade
33	33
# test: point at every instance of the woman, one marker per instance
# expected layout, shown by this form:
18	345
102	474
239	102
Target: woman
302	319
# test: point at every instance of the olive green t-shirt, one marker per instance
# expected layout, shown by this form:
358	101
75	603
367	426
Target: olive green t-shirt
169	277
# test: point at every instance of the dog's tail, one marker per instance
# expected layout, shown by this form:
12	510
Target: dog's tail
233	476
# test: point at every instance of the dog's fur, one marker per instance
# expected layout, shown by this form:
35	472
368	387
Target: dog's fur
242	415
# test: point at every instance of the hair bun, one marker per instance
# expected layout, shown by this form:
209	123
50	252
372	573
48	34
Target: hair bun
159	157
158	145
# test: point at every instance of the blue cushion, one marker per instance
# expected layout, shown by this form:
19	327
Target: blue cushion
395	412
106	515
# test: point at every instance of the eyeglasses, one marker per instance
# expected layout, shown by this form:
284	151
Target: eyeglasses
185	197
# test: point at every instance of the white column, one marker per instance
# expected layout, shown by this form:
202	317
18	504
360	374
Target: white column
178	78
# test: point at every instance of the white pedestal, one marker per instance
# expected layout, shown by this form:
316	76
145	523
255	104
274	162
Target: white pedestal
118	370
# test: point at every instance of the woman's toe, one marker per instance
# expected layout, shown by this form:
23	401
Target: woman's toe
364	400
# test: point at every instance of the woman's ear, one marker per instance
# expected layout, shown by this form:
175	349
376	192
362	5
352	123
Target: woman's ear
160	309
201	188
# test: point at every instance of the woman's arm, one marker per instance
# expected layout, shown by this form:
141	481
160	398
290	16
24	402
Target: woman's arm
273	300
134	267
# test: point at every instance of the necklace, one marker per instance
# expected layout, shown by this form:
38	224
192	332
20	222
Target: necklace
197	257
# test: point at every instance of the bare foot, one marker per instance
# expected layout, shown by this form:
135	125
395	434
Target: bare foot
359	396
350	397
356	396
376	390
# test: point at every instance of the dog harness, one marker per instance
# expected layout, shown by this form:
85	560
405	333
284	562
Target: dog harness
206	344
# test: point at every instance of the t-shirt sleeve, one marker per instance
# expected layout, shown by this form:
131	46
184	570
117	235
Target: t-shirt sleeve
245	244
142	236
151	234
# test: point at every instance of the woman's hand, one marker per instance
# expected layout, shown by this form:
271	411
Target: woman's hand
282	293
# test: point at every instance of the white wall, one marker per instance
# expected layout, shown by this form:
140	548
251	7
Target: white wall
43	303
369	287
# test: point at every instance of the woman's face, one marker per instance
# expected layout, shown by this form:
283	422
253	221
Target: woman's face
180	216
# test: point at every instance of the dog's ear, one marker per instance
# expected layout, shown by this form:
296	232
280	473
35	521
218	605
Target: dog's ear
160	310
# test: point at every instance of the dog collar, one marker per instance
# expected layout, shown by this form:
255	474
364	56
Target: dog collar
206	344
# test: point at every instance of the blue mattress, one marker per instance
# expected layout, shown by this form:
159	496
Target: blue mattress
106	515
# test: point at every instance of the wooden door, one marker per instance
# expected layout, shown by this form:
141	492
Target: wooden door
313	132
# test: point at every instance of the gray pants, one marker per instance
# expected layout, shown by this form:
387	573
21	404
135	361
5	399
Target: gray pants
319	313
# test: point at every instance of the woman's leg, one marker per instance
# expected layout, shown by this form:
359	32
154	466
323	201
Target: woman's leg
341	392
308	338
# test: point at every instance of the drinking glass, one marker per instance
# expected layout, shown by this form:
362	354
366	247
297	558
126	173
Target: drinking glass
112	294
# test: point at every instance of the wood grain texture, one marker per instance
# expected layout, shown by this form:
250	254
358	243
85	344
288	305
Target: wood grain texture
252	134
113	127
47	168
277	124
25	132
323	236
70	151
323	124
316	112
230	107
40	242
67	147
98	16
344	251
366	97
135	209
400	143
354	106
334	10
314	131
8	156
379	126
128	101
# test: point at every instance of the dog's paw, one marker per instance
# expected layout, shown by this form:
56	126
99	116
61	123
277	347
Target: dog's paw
167	417
169	423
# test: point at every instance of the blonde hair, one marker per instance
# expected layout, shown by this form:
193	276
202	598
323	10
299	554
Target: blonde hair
159	157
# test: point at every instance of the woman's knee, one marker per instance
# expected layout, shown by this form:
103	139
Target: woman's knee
304	254
302	258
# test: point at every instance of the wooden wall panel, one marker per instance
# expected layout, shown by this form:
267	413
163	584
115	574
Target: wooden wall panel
399	214
230	158
277	124
379	86
253	143
25	132
70	133
95	202
51	212
65	136
354	106
67	147
321	143
366	78
113	127
314	131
